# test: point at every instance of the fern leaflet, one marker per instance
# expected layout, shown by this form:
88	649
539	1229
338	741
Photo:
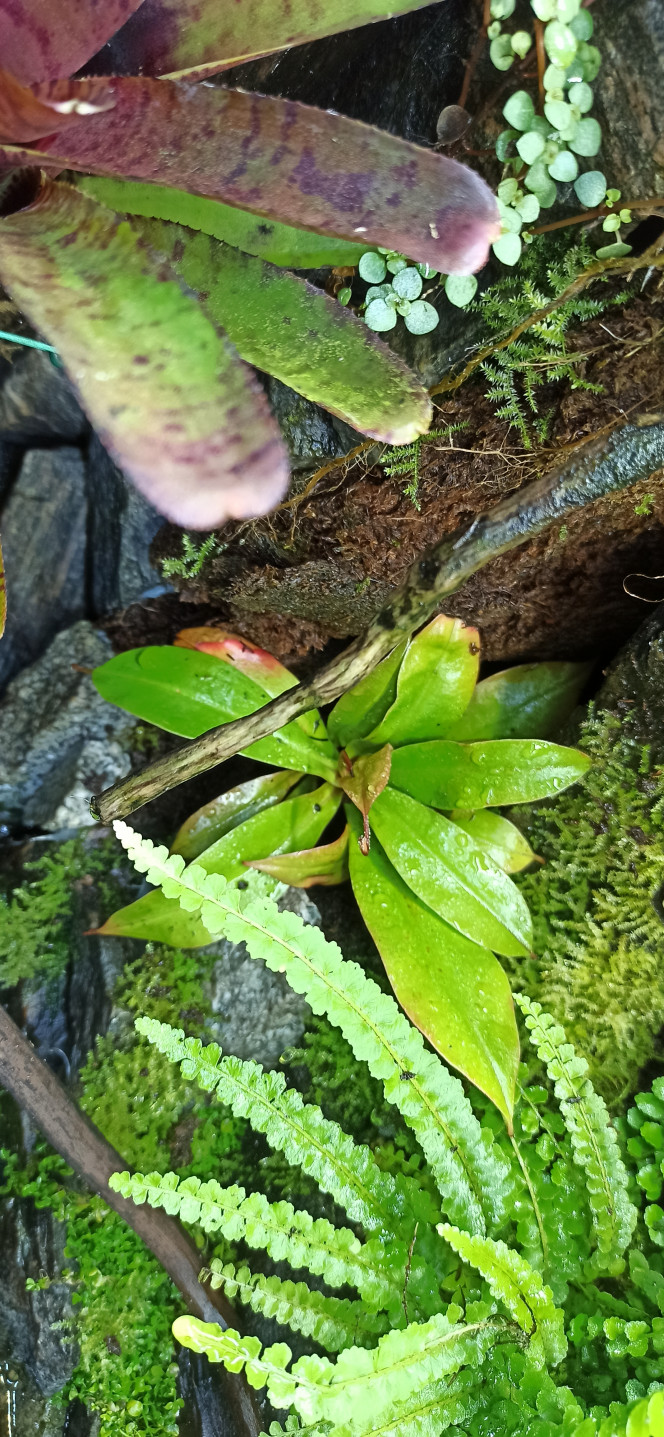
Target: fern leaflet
513	1281
334	1322
594	1142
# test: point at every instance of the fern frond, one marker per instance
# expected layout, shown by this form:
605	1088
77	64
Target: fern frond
471	1173
515	1283
334	1322
286	1233
362	1385
446	1403
594	1142
380	1201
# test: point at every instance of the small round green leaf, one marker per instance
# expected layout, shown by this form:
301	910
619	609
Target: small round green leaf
507	248
502	9
589	59
588	137
507	191
581	95
426	271
614	251
558	114
565	167
460	289
530	146
528	208
503	143
554	82
560	43
545	9
501	53
521	43
591	188
519	110
380	316
344	295
539	182
397	264
408	283
422	317
377	291
611	224
582	25
372	267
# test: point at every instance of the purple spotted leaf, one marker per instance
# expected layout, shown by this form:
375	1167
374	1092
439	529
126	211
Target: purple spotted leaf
164	388
310	168
200	37
46	39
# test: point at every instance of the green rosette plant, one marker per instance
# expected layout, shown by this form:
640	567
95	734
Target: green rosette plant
159	317
412	764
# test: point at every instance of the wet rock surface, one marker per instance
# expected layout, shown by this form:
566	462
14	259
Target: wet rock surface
58	738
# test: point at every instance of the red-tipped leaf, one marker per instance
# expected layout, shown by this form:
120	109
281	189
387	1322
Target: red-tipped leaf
44	39
169	397
326	865
310	168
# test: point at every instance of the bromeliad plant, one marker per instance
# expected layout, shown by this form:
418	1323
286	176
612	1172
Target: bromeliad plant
419	755
534	1308
157	319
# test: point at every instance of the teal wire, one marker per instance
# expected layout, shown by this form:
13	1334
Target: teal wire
30	343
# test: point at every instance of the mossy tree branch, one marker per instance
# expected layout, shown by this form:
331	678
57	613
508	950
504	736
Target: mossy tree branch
601	467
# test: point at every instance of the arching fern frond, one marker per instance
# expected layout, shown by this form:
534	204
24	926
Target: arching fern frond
380	1201
334	1322
515	1283
363	1385
594	1142
284	1232
471	1173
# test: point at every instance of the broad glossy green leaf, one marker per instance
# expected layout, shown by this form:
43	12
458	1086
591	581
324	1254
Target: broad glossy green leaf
454	991
229	810
452	874
277	243
486	775
288	328
362	779
528	701
165	390
266	671
326	866
186	692
295	824
434	686
362	707
333	175
502	840
201	37
43	39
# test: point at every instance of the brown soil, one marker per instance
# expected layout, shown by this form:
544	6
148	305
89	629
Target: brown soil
322	564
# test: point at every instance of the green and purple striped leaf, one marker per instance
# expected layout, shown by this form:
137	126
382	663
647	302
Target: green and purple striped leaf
164	388
45	39
201	37
288	328
310	168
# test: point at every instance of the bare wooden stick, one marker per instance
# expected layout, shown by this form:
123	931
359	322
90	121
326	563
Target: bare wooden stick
37	1090
596	469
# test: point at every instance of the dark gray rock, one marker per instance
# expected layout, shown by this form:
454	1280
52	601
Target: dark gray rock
634	684
38	404
32	1243
122	527
629	96
59	741
43	538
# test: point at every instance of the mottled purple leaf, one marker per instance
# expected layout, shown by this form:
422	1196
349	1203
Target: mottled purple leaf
201	37
45	39
310	168
25	117
169	397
